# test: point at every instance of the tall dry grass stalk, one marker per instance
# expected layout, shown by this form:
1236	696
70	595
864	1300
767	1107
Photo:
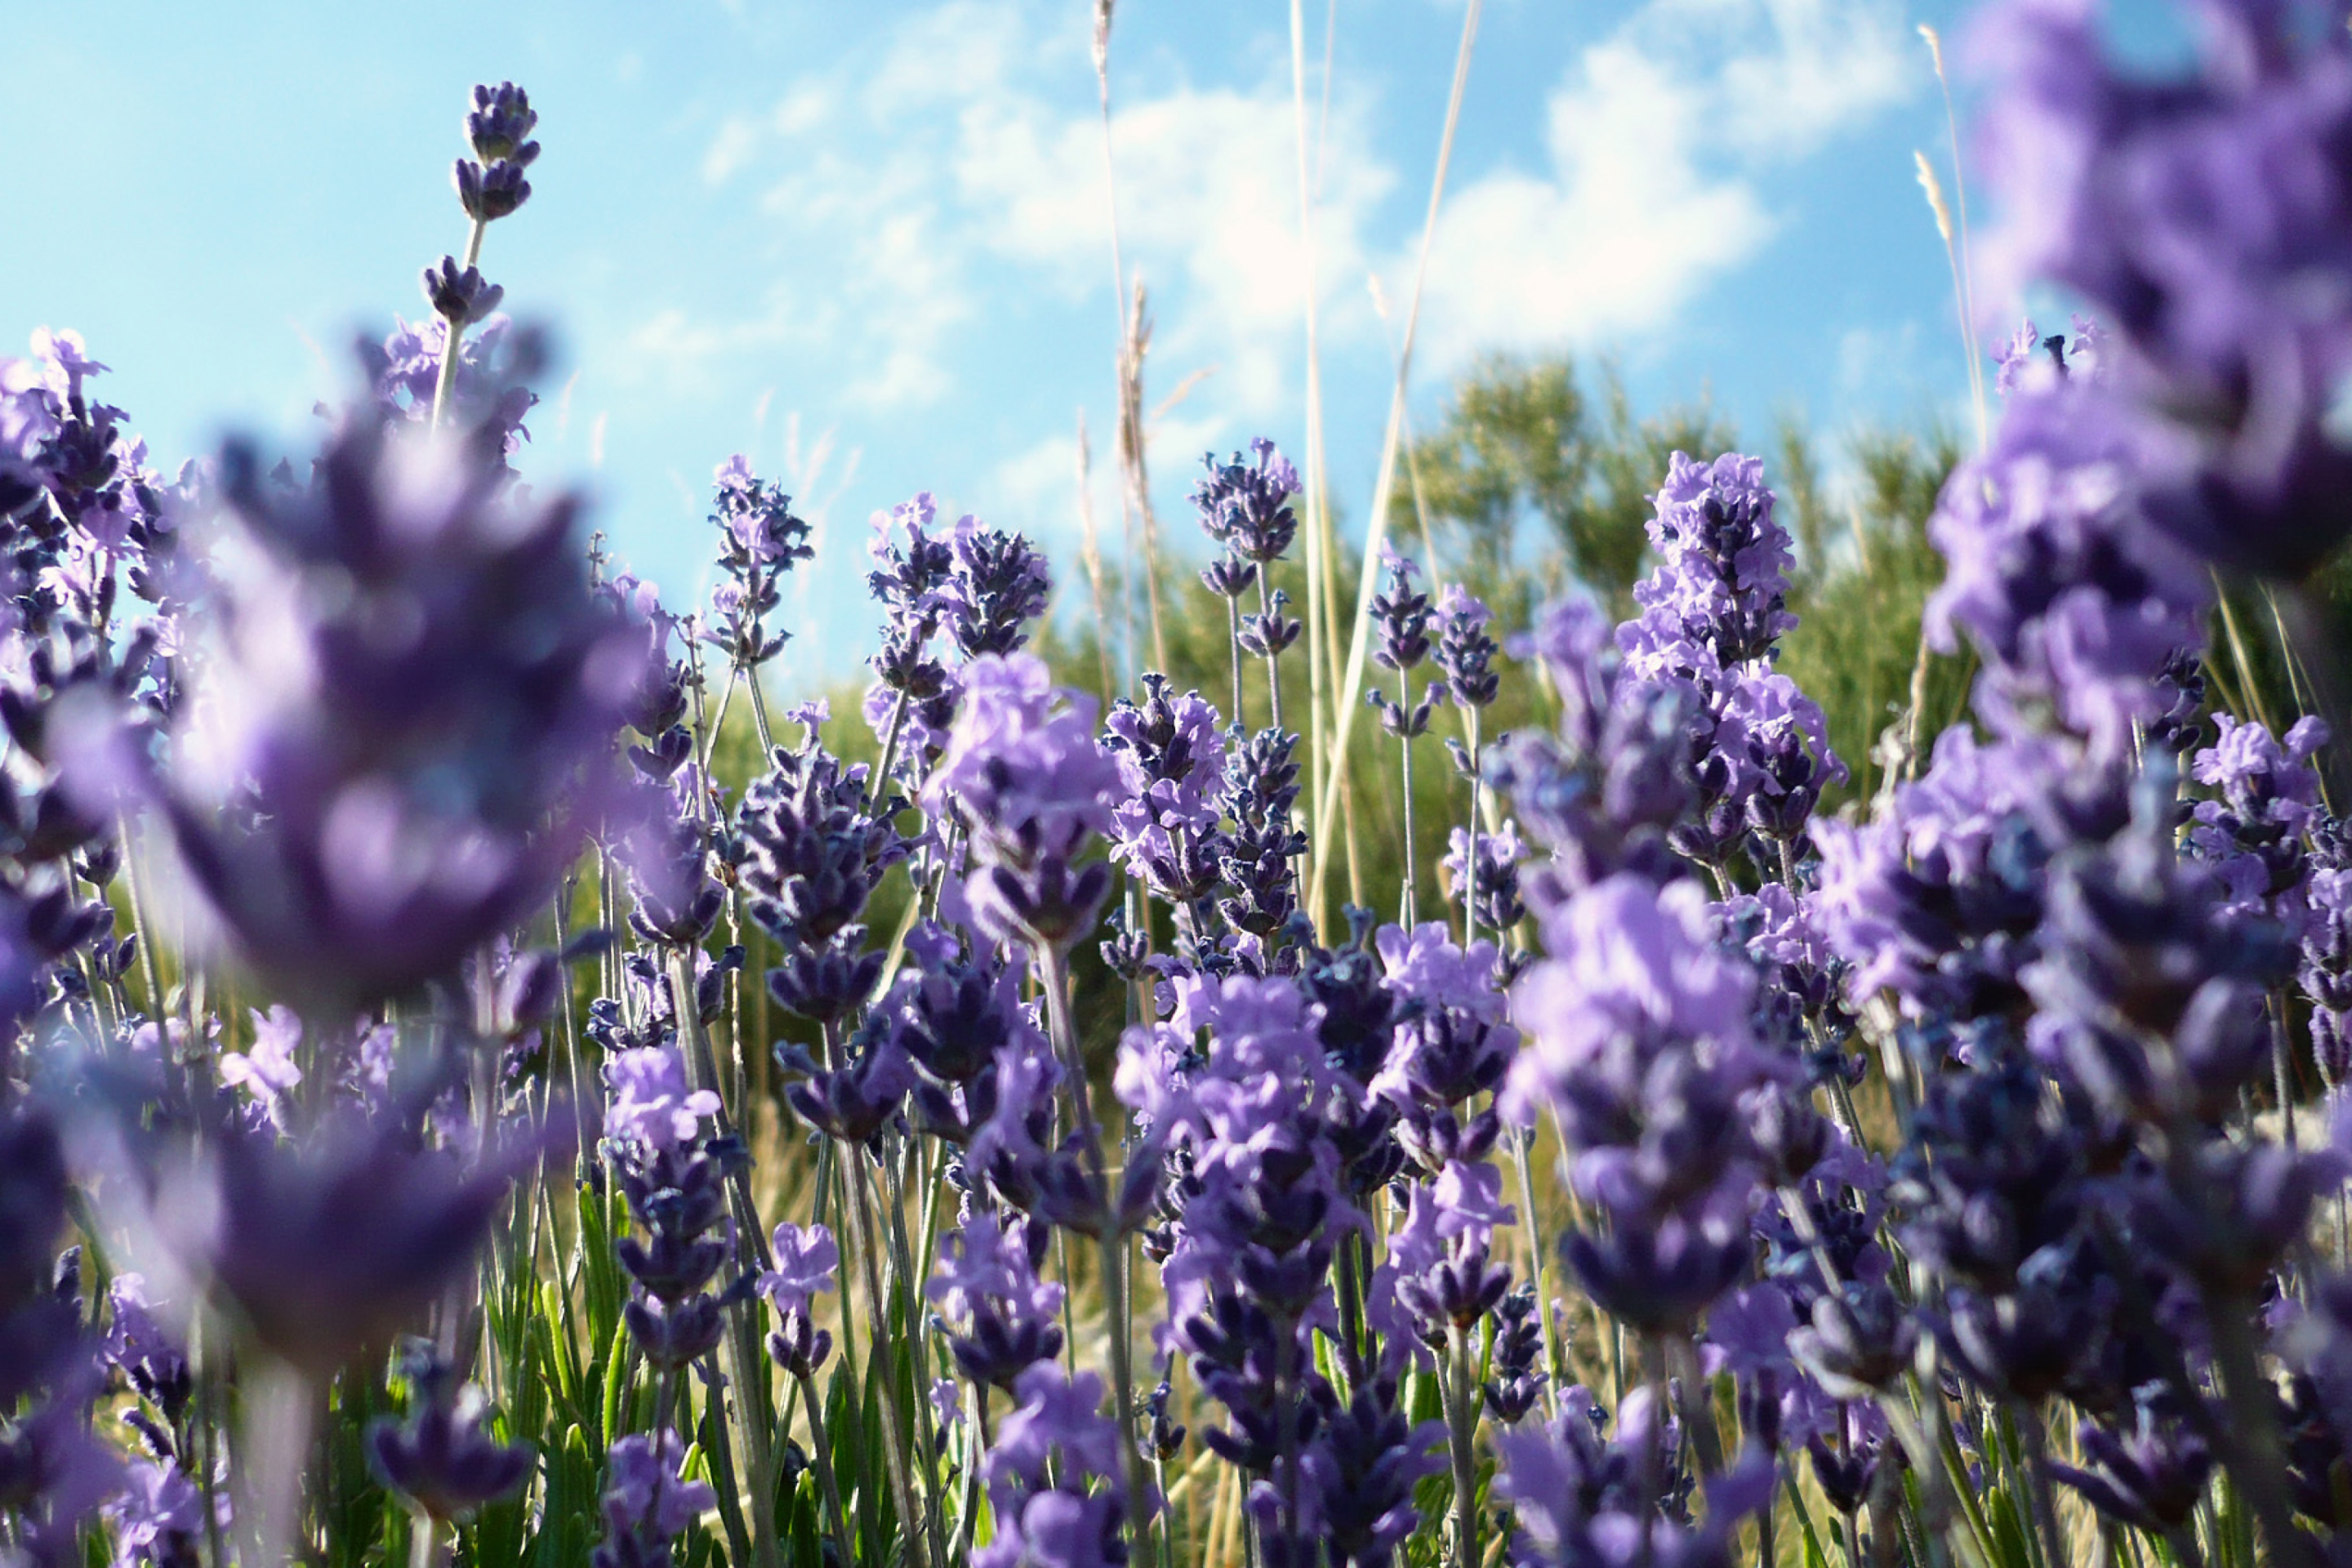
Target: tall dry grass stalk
1376	525
1091	548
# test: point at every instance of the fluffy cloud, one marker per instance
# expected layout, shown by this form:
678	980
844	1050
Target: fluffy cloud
1657	138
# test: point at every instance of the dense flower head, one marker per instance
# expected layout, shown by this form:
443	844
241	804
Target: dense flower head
998	585
1245	506
1400	616
1580	1498
1638	1023
1026	775
2136	945
1465	649
2206	216
1722	582
1940	898
759	538
1491	887
817	842
498	128
1003	1320
2266	802
1172	765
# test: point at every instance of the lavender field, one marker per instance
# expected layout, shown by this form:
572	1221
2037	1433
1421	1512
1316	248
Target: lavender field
1637	1001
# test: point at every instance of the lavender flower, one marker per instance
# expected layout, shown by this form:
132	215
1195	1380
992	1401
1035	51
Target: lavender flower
1638	1028
148	1357
1004	1320
998	585
805	1263
1245	507
1603	795
2151	1477
158	1518
1498	905
646	1505
2072	597
816	843
498	126
759	538
1024	774
1579	1498
1722	583
334	1243
1364	1469
1171	764
1059	1429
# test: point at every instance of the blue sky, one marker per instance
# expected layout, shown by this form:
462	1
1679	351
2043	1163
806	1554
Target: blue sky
869	244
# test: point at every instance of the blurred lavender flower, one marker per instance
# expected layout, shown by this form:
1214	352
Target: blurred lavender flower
1579	1498
1364	1469
158	1518
2207	215
1940	898
328	1245
1604	792
2151	1477
148	1357
649	1103
440	1459
2075	600
384	762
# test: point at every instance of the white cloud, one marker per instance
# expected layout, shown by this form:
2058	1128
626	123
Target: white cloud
1658	137
919	198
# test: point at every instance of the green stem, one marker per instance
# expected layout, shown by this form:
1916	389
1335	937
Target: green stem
1054	964
822	1452
1461	1437
454	334
747	1367
896	1421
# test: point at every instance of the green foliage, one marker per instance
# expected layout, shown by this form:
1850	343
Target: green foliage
1862	579
1521	438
